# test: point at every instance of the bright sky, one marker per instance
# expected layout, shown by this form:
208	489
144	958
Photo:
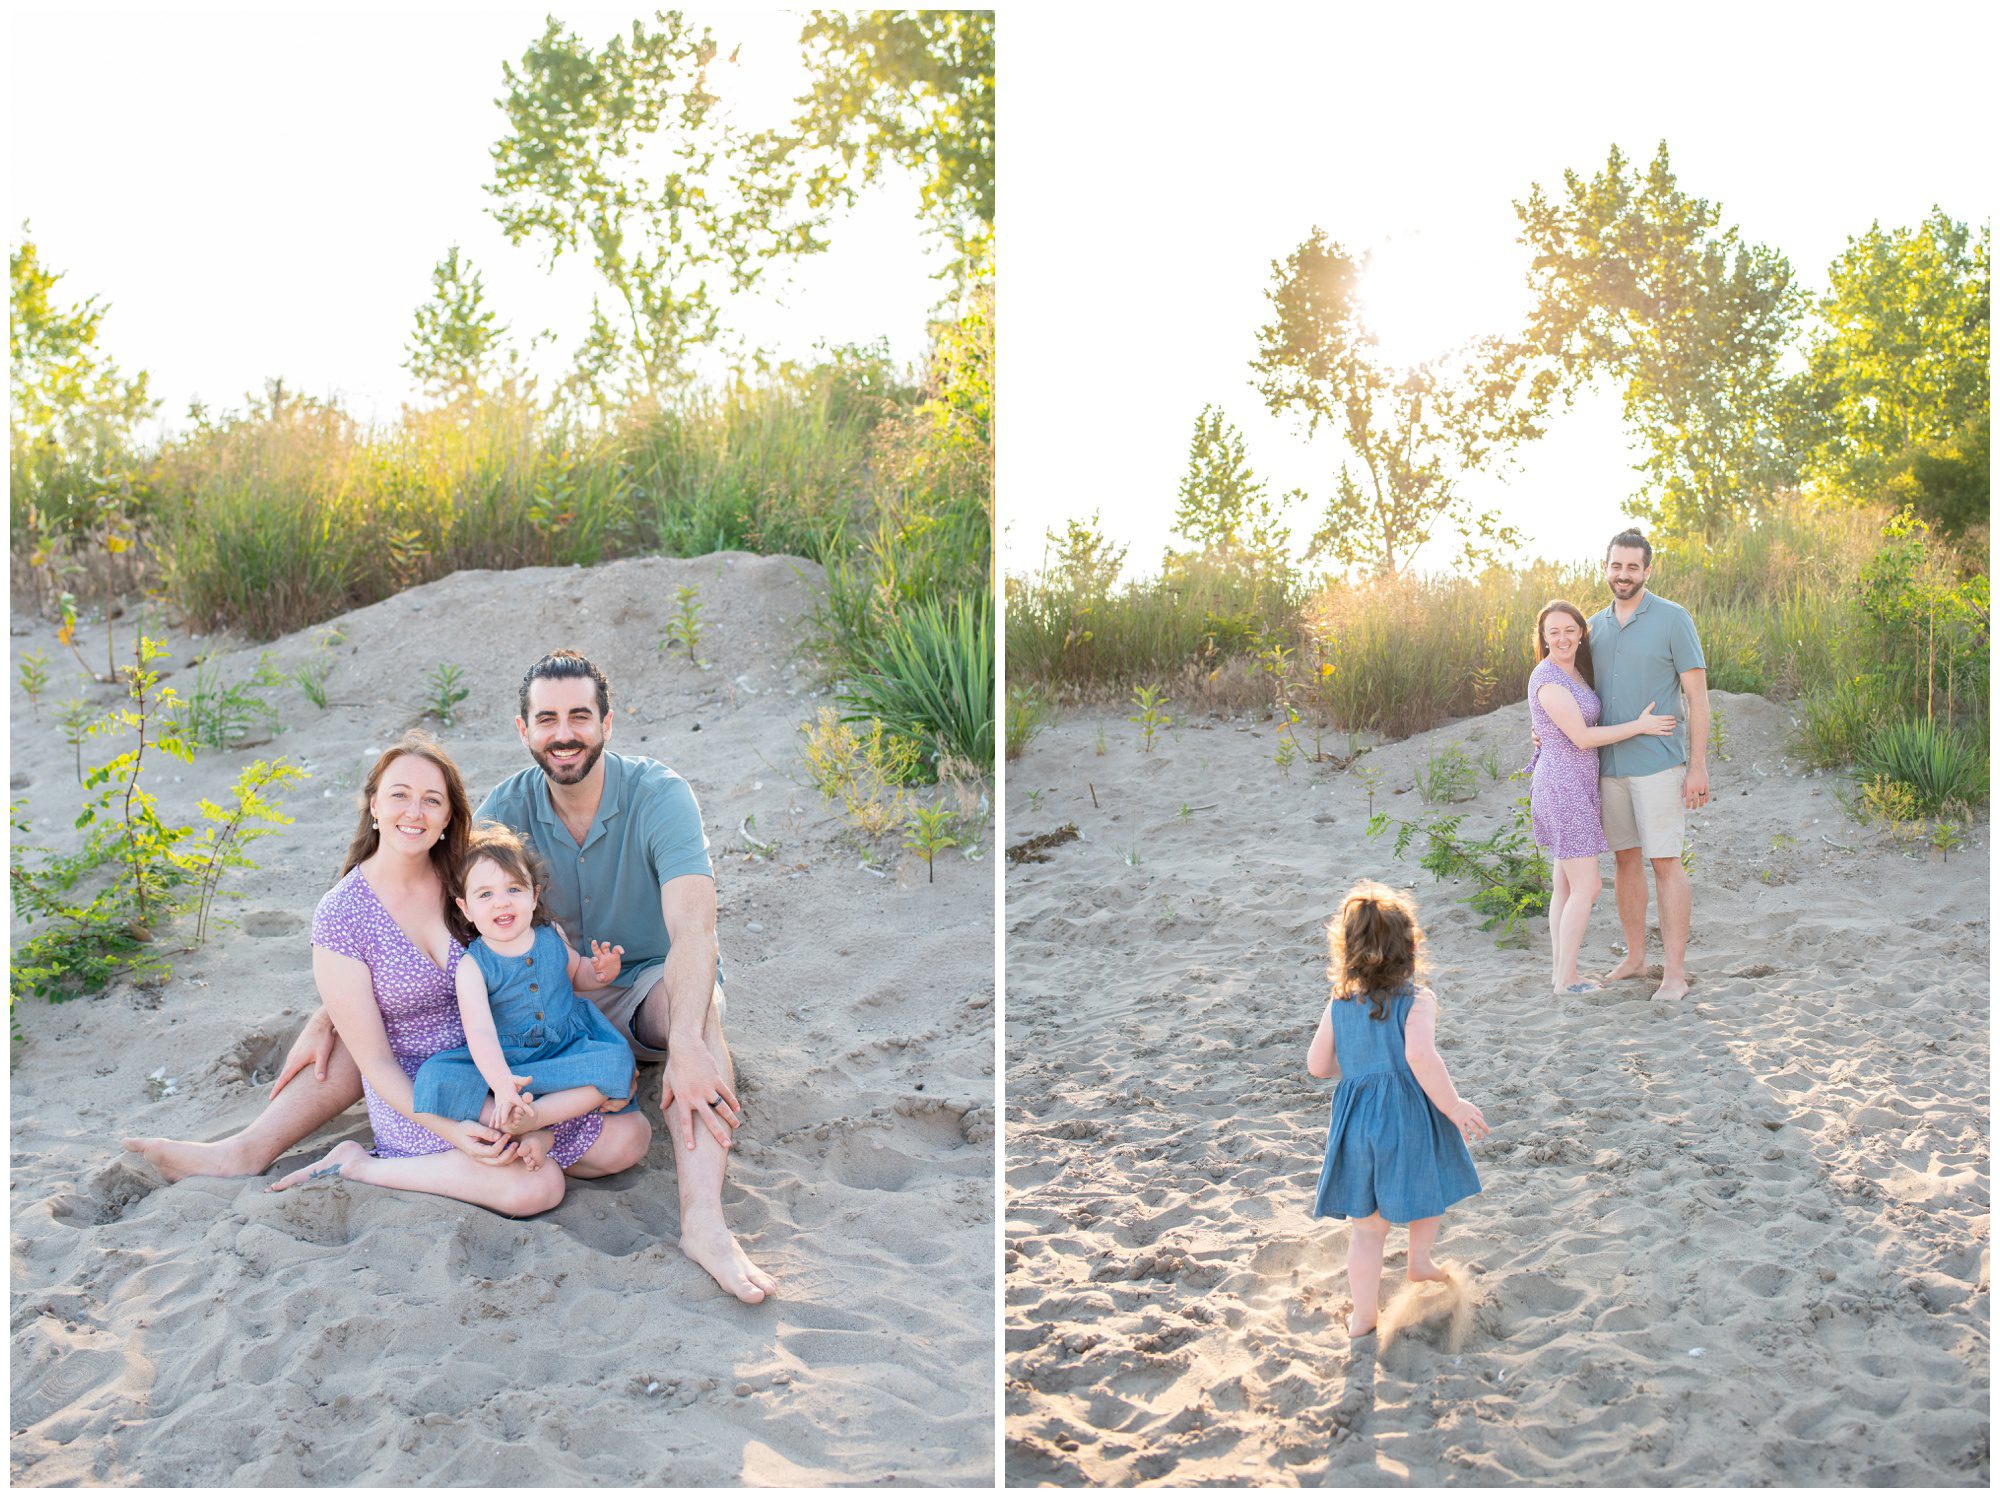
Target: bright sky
263	189
1151	175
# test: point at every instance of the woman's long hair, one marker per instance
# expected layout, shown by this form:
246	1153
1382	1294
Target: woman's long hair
1375	944
448	852
1583	666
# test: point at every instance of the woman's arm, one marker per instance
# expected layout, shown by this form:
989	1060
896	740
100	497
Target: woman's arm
1566	715
1320	1059
1420	1050
348	992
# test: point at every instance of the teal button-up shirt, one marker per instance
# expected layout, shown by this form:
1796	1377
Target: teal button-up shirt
1638	662
647	831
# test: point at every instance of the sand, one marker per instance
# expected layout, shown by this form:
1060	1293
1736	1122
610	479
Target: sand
1737	1239
208	1333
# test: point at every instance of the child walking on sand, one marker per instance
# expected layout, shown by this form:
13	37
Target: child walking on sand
1395	1151
524	1024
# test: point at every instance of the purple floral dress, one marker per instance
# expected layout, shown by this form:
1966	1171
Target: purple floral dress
1562	793
419	1005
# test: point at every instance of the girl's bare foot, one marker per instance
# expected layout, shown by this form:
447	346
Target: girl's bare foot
337	1160
1427	1271
1356	1329
535	1147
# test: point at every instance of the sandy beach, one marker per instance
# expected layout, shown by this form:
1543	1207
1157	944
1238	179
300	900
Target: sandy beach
1737	1239
208	1333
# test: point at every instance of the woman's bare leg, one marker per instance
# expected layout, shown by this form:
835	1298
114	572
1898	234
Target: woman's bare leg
303	1107
512	1190
1558	894
620	1146
1581	882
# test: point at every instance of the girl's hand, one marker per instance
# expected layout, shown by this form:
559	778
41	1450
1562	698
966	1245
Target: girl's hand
514	1109
1469	1121
1656	724
604	961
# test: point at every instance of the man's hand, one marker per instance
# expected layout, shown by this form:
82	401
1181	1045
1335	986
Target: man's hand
314	1047
488	1145
1694	790
691	1087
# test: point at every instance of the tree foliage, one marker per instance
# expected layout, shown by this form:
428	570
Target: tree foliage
1413	435
455	346
913	87
67	394
1224	509
1636	280
1897	394
622	153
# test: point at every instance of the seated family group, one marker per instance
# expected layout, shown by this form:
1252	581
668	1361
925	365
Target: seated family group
489	979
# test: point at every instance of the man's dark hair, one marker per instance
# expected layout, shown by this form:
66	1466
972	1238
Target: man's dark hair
567	665
1623	538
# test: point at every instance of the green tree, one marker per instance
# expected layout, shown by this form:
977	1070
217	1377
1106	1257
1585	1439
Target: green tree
455	347
66	393
1897	394
623	154
1636	280
1415	434
1223	507
913	87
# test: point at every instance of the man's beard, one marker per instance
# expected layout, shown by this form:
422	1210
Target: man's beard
577	771
1624	587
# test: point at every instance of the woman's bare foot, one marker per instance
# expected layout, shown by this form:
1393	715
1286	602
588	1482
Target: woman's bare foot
336	1162
1631	967
177	1159
715	1248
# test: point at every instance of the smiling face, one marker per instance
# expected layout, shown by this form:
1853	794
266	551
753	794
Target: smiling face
563	730
498	902
1625	571
410	805
1561	634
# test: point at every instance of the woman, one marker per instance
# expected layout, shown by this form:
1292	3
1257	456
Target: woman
386	941
1562	795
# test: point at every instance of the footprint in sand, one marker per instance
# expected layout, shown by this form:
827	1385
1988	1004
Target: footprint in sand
107	1197
271	923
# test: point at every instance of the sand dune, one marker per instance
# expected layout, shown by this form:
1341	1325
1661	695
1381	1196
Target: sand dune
1741	1239
208	1333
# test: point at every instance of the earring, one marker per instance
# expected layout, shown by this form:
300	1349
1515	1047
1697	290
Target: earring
374	826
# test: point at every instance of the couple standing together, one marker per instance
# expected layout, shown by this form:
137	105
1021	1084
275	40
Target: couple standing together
422	1019
1613	770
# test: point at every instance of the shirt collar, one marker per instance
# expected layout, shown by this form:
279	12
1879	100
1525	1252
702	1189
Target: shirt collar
609	805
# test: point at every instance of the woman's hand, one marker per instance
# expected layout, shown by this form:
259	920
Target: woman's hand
604	962
314	1047
486	1144
1656	724
1468	1120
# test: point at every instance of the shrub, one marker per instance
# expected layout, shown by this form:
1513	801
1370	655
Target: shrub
1940	766
929	678
1028	713
863	771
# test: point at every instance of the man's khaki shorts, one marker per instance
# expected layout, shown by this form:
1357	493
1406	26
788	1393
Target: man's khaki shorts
619	1005
1644	811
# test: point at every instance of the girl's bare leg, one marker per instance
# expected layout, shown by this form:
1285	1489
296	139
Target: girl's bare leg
512	1189
620	1146
1364	1272
1423	1234
559	1107
293	1115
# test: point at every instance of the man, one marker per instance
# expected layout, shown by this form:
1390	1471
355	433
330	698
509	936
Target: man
628	864
1645	650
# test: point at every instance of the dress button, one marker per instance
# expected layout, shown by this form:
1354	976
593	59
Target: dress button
538	1014
535	988
530	961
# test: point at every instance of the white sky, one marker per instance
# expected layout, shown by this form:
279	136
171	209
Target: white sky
263	189
1150	175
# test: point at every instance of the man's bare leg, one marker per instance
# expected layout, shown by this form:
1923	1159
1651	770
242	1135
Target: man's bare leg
304	1106
1628	884
1676	896
705	1237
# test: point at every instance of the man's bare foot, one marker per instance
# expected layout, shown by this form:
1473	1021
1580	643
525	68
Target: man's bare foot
535	1147
177	1159
336	1162
1671	989
715	1248
1355	1328
1631	967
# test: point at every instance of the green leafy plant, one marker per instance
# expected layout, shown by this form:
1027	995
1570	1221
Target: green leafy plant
684	629
1028	713
1946	835
1510	873
446	693
1371	781
34	673
1149	717
1938	765
1100	740
76	721
929	678
218	715
1447	776
311	679
863	769
1035	799
930	831
1490	762
250	814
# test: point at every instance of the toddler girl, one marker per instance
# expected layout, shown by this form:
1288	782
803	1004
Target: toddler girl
523	1020
1394	1151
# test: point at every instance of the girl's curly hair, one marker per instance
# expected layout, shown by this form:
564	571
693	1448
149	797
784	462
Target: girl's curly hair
504	846
1375	945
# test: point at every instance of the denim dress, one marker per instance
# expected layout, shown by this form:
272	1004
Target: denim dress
548	1033
1388	1149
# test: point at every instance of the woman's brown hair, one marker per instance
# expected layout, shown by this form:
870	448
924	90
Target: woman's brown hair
448	852
1375	944
1583	666
503	846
